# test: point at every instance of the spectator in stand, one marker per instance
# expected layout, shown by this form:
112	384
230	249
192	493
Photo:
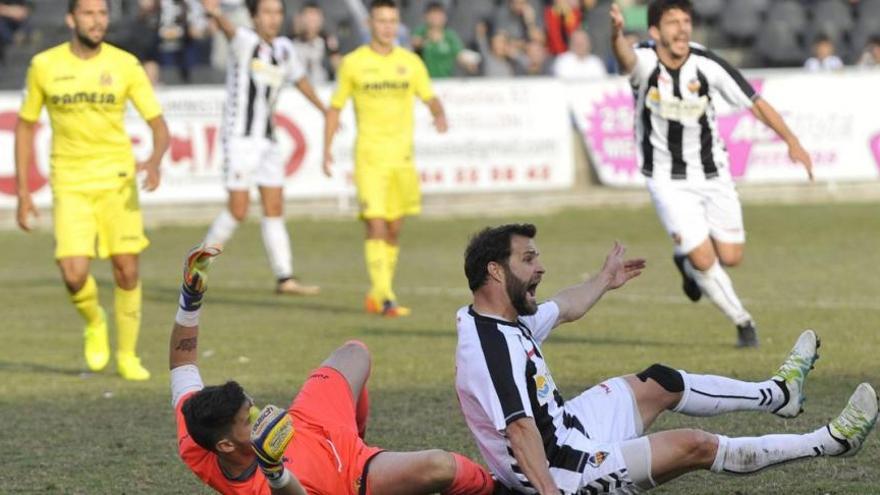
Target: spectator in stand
534	61
440	47
139	35
496	52
870	58
361	16
13	18
520	21
823	59
237	12
579	62
317	49
561	19
182	24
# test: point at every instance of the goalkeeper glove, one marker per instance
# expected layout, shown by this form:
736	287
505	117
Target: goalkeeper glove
270	434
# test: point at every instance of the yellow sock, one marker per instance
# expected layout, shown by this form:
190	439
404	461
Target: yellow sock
128	318
392	251
377	267
86	301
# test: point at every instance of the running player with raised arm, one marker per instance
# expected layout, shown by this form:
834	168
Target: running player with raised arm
677	84
85	85
261	63
316	446
535	441
383	80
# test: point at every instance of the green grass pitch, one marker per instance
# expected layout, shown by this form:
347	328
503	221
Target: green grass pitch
69	432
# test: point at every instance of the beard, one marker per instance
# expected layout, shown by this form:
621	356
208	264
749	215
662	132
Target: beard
517	292
88	42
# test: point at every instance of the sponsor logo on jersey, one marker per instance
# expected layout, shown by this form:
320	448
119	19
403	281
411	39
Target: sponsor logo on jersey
83	97
597	458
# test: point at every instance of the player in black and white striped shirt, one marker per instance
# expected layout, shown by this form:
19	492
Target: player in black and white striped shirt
676	84
535	441
261	63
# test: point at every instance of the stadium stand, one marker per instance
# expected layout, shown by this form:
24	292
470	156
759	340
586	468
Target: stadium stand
757	33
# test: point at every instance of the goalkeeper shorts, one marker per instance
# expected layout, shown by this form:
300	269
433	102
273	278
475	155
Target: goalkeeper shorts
328	456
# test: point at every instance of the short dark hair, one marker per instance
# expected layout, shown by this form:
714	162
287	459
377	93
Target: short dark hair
254	5
375	4
435	5
311	4
210	413
488	245
659	7
874	40
822	38
73	4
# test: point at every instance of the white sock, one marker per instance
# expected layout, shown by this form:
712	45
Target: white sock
277	243
746	455
709	395
718	287
222	229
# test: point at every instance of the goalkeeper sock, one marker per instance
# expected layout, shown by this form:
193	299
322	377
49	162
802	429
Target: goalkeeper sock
222	229
362	413
127	304
276	240
746	455
190	304
470	478
710	395
377	267
392	252
86	302
716	284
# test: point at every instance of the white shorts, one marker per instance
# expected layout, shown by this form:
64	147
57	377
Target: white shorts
252	161
618	459
691	212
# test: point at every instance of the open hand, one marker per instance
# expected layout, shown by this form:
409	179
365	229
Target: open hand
619	271
25	209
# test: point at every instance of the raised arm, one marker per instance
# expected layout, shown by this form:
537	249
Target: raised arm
182	349
574	302
212	8
765	112
528	449
623	50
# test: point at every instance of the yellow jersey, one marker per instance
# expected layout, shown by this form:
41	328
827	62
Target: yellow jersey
383	89
86	100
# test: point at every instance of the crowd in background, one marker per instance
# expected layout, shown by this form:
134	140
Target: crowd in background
514	38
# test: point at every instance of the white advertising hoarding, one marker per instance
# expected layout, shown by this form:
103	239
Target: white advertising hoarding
834	115
503	136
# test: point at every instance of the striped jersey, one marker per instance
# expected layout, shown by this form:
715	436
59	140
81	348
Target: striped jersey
501	377
254	77
675	119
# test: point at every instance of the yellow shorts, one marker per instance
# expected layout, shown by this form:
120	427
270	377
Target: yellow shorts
112	217
386	192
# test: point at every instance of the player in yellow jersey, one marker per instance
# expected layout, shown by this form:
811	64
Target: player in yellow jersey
85	85
383	80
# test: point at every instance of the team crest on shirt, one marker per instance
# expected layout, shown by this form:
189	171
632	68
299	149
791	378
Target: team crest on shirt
597	458
543	388
401	70
106	79
694	86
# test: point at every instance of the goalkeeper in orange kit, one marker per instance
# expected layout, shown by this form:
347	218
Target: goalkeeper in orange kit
315	446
